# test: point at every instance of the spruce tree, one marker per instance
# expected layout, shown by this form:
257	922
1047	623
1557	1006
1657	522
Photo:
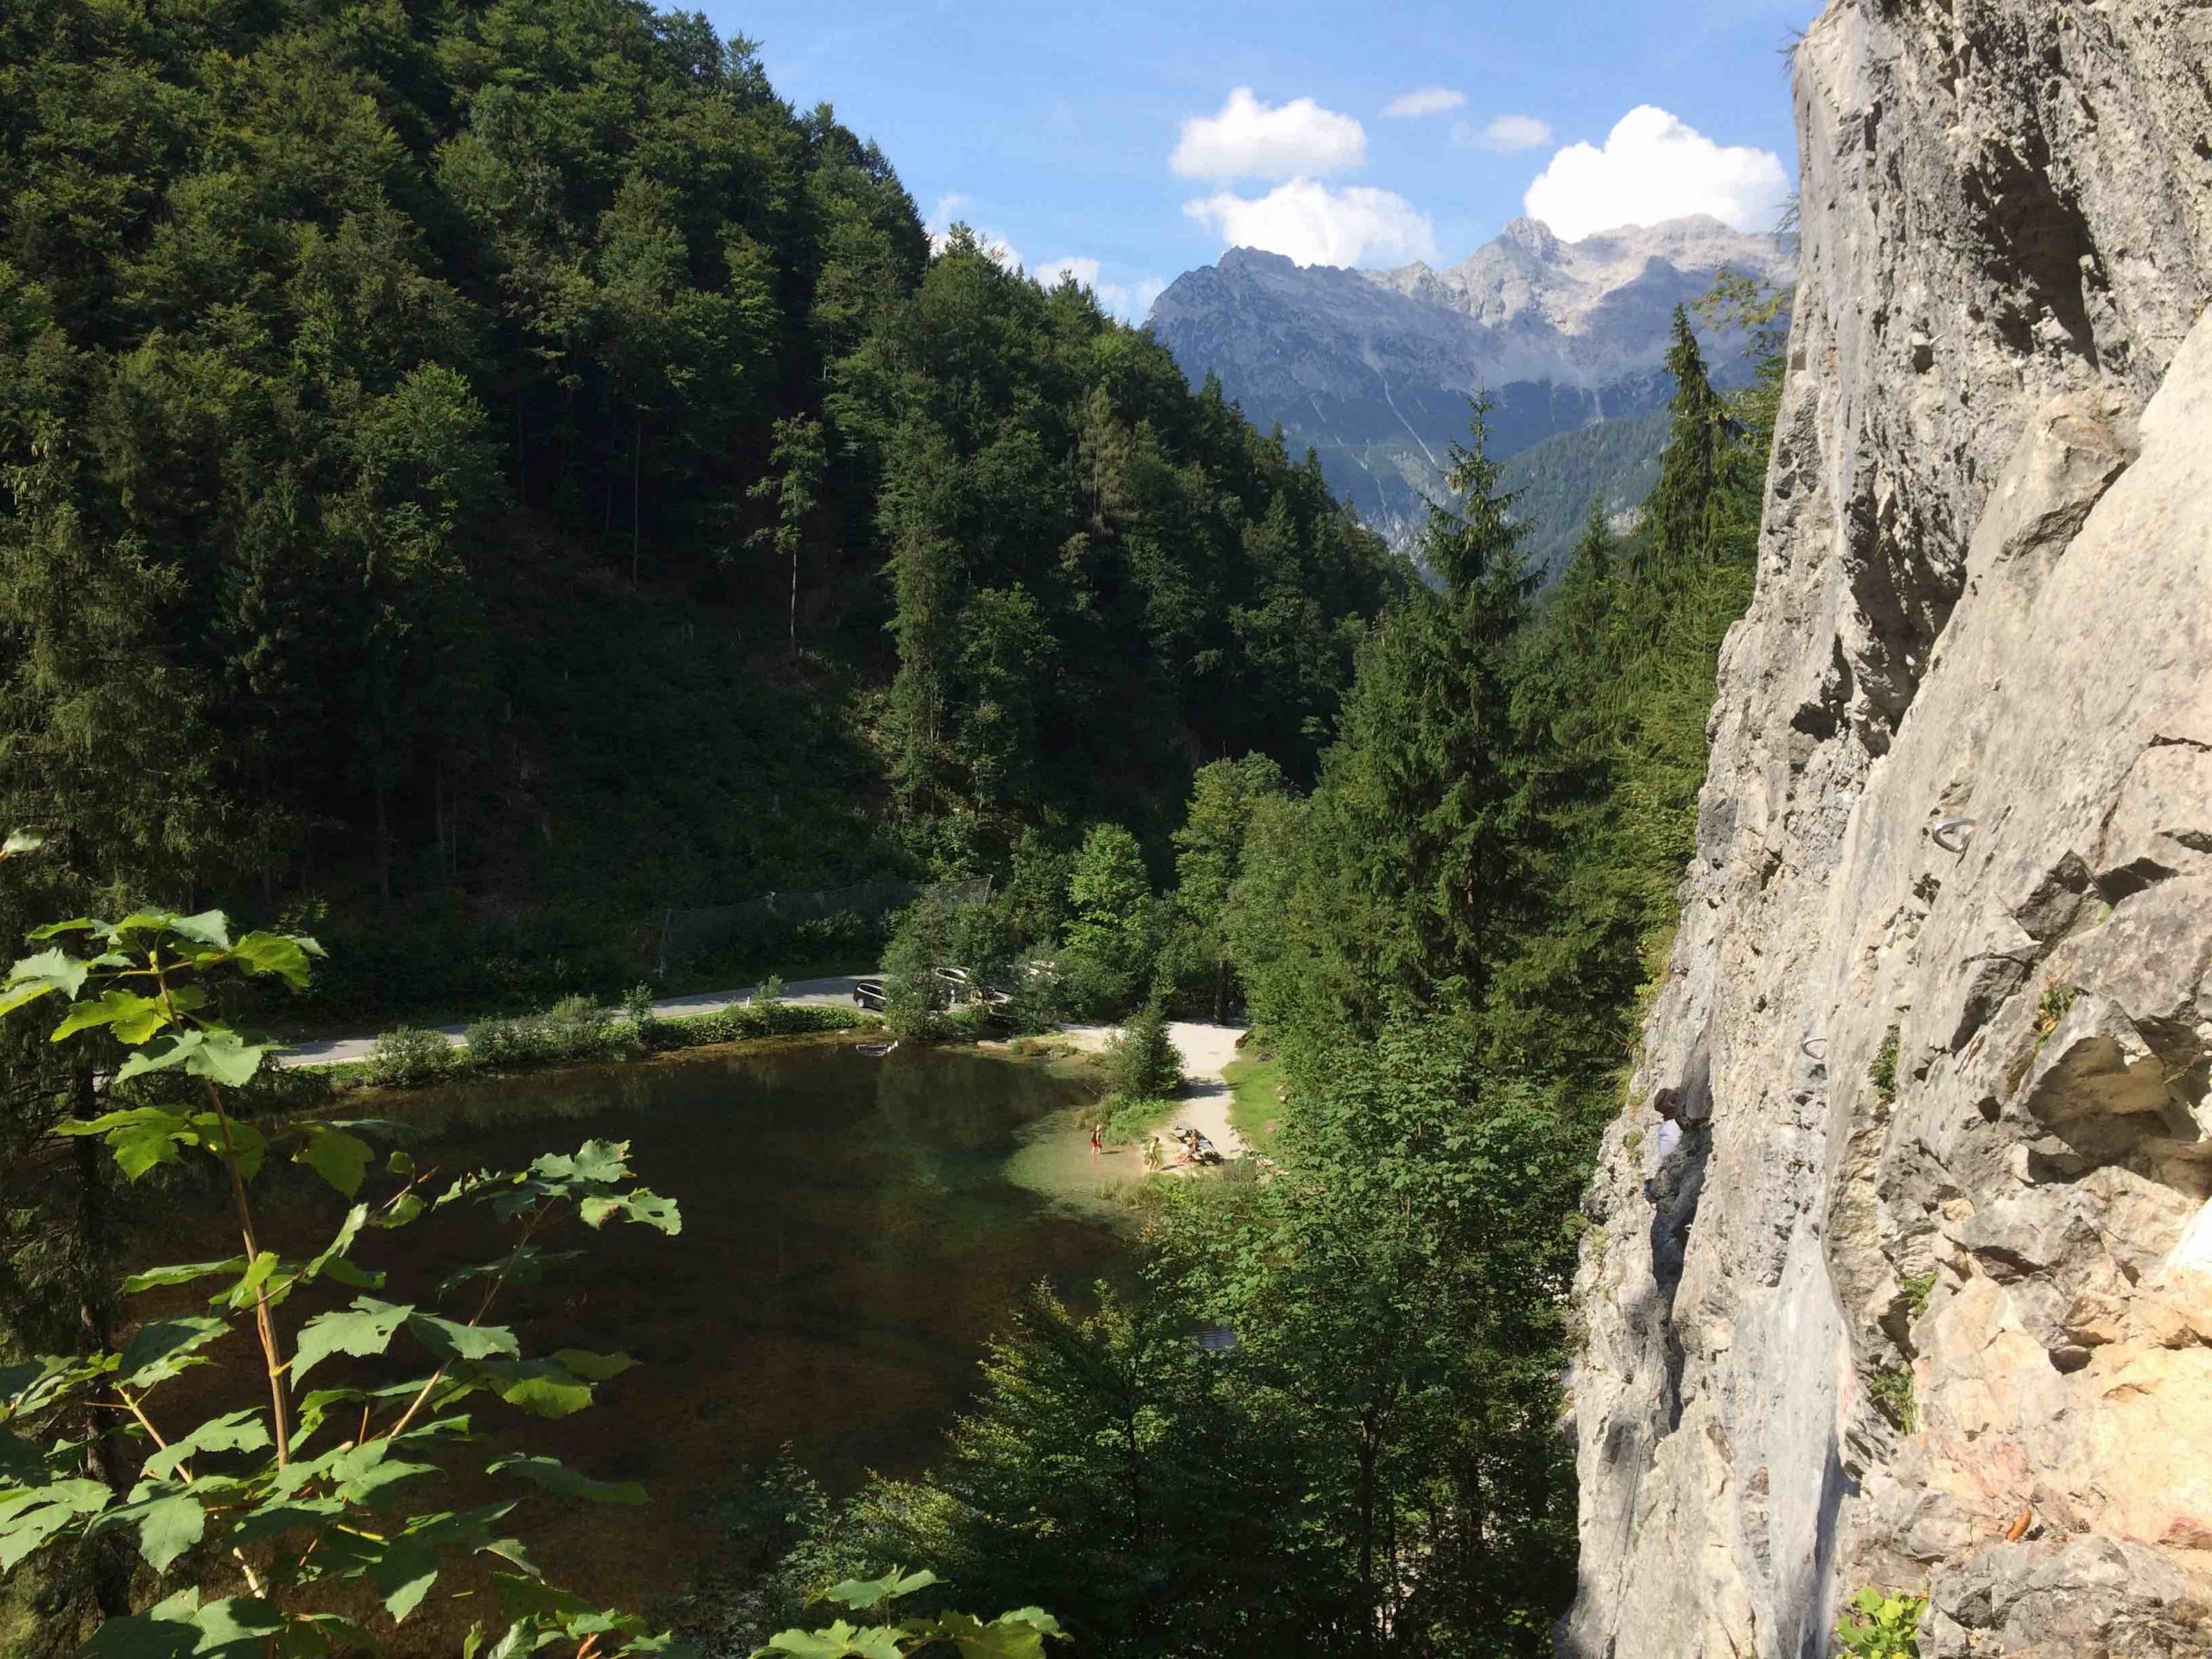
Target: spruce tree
1681	520
1422	799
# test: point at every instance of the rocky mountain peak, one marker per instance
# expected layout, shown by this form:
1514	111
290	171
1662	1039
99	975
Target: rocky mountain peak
1532	234
1374	368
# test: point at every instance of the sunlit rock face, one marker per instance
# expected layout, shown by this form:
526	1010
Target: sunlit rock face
1926	1301
1374	368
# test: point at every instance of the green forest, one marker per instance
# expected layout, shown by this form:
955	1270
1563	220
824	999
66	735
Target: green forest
480	473
490	473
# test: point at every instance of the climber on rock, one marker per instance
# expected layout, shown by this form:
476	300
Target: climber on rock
1666	1141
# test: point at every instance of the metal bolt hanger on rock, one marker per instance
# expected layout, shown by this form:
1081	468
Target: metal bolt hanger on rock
1952	835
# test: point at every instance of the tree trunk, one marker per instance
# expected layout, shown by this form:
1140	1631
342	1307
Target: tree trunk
107	1455
383	849
1366	1504
794	598
637	448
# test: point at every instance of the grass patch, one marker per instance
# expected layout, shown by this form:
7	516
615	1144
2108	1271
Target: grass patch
1890	1388
1129	1120
1255	1098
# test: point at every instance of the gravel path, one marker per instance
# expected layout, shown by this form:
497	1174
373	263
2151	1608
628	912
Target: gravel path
1205	1049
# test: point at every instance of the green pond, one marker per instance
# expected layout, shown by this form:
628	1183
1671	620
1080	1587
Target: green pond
855	1230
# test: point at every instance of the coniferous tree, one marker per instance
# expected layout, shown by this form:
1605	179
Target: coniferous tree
1682	518
1422	798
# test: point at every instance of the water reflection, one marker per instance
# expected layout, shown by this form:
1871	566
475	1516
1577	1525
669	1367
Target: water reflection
851	1236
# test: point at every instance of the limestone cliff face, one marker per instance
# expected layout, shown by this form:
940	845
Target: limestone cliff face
1924	1298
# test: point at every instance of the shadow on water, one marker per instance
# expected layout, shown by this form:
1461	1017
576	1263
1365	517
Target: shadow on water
852	1236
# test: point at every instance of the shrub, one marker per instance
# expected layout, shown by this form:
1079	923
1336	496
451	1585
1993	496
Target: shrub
1041	1003
575	1028
769	992
494	1042
638	1008
1918	1289
226	1474
1883	1073
2056	1000
1141	1063
1888	1626
735	1024
792	1019
1129	1119
921	942
1890	1388
407	1058
1086	988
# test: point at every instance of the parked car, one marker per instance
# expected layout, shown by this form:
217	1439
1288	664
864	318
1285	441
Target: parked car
869	994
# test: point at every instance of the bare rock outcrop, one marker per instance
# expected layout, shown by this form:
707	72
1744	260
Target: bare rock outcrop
1924	1298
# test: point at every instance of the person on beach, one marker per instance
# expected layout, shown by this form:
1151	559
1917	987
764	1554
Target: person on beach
1097	1140
1153	1156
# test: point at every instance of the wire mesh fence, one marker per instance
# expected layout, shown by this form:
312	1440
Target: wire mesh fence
716	930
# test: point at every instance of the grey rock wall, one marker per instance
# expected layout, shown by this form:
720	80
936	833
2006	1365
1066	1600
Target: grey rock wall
1924	1298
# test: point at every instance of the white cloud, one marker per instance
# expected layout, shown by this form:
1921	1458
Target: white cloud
1130	301
952	208
1251	140
1429	100
1504	133
1651	168
1083	268
1316	226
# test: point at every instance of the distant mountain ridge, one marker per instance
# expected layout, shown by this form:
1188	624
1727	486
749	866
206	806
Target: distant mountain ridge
1374	368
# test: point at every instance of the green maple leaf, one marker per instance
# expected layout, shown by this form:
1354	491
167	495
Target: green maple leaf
340	1158
133	1018
241	1431
163	1348
168	1525
367	1328
286	955
34	977
561	1481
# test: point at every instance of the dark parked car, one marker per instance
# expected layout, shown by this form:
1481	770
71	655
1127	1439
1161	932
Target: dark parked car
868	993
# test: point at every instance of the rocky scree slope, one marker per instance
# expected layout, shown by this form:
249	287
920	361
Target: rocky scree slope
1924	1298
1374	368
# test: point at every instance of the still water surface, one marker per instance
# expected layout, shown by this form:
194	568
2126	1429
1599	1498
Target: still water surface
854	1228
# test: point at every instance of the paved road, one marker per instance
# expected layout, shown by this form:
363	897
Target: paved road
838	988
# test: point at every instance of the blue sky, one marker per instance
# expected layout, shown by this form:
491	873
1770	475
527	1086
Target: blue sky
1136	140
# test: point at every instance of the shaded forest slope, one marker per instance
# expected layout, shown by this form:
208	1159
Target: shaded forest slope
498	467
